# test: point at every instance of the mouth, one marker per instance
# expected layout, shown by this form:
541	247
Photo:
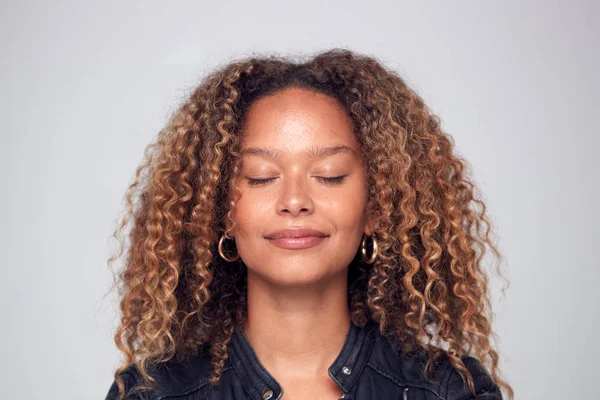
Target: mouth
296	239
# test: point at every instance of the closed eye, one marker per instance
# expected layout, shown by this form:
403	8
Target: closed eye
258	182
333	180
329	180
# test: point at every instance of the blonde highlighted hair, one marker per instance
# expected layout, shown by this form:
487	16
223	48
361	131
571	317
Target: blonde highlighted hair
428	287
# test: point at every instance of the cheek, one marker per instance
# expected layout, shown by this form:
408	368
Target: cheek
347	212
249	213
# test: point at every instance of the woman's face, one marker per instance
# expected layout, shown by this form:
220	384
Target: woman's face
300	170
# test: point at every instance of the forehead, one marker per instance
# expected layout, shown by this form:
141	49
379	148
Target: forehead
297	120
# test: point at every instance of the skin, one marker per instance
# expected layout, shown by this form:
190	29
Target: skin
298	316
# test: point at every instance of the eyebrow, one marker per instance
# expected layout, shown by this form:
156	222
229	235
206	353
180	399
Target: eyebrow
313	153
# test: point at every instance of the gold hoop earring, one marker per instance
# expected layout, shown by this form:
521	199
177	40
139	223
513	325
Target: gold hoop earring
222	253
363	249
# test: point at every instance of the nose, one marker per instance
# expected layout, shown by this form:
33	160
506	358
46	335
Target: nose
295	196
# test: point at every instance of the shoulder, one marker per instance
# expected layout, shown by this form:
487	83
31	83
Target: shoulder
444	381
171	379
482	381
130	377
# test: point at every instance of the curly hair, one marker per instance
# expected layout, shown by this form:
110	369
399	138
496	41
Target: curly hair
427	289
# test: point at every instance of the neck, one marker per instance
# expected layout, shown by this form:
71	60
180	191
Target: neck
297	331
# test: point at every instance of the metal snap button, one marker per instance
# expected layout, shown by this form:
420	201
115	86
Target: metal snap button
267	394
346	370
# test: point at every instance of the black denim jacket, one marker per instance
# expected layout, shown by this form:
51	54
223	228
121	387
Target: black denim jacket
367	367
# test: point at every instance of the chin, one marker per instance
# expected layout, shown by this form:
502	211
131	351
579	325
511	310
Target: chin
300	273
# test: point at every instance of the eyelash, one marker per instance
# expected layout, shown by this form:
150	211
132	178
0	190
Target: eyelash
333	180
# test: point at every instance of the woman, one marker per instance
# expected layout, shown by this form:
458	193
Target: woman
304	230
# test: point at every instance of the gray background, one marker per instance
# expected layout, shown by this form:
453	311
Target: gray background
84	88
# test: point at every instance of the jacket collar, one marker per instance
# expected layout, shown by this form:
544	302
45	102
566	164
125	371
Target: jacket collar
345	370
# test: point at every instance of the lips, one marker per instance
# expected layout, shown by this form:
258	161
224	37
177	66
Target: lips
296	233
296	239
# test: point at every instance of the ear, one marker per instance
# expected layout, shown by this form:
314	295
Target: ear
227	229
369	226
